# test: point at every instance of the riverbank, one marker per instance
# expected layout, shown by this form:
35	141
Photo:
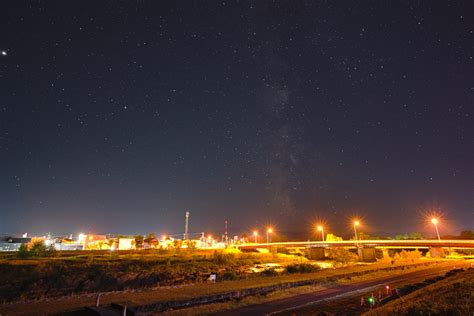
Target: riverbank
161	295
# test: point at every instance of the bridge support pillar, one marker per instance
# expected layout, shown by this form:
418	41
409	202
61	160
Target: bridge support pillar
366	254
315	253
437	252
386	254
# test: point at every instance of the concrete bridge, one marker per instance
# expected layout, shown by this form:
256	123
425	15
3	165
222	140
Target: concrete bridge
366	248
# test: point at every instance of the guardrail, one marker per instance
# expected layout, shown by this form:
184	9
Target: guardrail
369	243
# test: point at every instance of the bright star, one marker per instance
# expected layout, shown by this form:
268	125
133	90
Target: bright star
4	53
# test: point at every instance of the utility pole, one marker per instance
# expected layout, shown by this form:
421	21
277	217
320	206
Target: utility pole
186	226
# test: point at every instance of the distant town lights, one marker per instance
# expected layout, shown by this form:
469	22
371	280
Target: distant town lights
82	237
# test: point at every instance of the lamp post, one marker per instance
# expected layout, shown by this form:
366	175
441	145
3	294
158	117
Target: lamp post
321	229
356	223
269	231
435	223
255	235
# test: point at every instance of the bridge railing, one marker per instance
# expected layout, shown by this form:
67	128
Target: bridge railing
373	243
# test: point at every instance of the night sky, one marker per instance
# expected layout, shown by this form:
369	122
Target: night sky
118	116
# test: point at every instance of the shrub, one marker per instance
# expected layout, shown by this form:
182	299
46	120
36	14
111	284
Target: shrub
222	259
23	251
341	255
301	268
38	249
229	276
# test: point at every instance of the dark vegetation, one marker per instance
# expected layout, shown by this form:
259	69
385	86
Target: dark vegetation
37	249
301	268
452	294
41	272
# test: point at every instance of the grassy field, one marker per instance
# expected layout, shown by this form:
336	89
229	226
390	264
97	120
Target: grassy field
147	296
332	307
36	278
451	296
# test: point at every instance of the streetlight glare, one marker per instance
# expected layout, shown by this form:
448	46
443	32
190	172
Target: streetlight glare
255	235
434	220
321	229
356	223
269	231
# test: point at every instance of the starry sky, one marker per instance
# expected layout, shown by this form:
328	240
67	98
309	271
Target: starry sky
118	116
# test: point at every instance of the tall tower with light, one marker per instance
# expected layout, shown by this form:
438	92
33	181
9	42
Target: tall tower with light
186	226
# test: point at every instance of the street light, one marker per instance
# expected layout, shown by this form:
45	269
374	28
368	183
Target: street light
356	223
269	231
321	229
434	220
255	234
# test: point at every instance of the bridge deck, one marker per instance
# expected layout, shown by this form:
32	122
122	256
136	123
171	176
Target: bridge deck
466	244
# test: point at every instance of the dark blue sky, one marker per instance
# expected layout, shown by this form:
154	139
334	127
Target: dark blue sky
119	116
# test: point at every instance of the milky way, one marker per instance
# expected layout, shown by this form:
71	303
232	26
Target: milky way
120	117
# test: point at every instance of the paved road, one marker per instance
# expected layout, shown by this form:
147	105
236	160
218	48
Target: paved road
318	296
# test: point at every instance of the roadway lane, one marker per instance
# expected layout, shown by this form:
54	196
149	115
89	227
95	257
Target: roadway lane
331	293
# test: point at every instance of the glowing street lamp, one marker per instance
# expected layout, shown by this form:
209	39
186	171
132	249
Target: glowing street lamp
269	231
434	220
255	234
321	229
356	223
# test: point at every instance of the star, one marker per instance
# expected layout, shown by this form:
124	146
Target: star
4	53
